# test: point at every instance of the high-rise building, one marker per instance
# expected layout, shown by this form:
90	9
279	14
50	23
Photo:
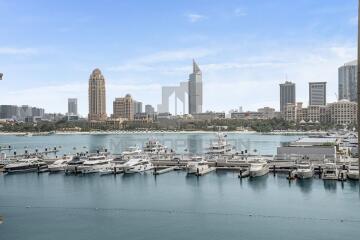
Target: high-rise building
137	107
348	81
97	97
72	106
124	107
195	90
9	112
317	93
287	94
149	109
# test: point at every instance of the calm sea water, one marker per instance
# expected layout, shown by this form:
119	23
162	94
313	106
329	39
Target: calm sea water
173	205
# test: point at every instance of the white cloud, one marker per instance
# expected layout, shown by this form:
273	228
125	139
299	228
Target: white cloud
193	17
17	51
240	12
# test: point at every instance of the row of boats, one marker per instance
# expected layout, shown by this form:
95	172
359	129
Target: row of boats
136	159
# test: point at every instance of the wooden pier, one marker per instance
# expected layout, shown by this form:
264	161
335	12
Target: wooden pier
206	171
158	171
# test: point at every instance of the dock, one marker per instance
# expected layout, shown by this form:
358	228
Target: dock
158	171
206	171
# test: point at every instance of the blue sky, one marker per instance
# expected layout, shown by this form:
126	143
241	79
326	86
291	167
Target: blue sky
245	48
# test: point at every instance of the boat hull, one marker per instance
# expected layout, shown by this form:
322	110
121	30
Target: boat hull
138	168
353	175
259	173
304	174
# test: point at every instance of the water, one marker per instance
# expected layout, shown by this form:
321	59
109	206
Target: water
173	205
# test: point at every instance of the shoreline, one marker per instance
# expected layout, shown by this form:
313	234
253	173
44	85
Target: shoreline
28	134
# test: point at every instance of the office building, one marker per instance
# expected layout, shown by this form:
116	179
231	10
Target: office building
347	85
287	94
137	107
97	97
149	109
195	90
317	93
72	106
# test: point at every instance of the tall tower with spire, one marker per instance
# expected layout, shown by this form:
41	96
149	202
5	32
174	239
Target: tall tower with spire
97	96
195	90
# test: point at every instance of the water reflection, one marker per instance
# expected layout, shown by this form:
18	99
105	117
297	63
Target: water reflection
330	185
305	185
195	143
258	183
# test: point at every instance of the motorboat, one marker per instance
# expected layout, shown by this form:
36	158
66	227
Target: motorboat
138	164
353	172
60	164
26	165
197	165
95	163
258	167
130	152
304	170
330	171
74	164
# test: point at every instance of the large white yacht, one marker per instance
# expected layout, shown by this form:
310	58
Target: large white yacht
73	165
130	152
258	167
330	171
304	170
95	163
154	147
220	146
25	165
137	164
196	165
60	164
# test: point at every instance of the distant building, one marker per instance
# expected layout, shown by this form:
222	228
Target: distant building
195	90
209	115
268	112
72	106
287	94
97	97
342	112
9	112
149	109
262	113
317	93
123	108
347	84
137	107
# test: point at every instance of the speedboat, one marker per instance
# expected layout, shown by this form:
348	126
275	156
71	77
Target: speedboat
196	165
95	163
330	171
26	165
73	165
353	172
304	170
59	165
137	164
258	168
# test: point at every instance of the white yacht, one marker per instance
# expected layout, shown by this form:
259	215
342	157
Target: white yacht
130	152
220	146
196	165
304	170
330	171
154	147
95	163
60	164
353	172
258	167
137	164
25	165
73	165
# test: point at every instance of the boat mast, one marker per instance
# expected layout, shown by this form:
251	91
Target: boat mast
358	88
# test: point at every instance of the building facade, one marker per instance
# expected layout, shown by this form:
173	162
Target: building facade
317	93
342	112
195	90
287	94
138	107
97	97
149	109
347	85
124	108
72	106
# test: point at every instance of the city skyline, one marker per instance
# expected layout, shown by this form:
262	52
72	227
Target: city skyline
245	62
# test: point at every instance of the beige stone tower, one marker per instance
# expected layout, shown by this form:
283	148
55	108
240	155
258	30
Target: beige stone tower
97	96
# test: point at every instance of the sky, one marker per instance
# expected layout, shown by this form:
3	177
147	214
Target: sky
245	49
